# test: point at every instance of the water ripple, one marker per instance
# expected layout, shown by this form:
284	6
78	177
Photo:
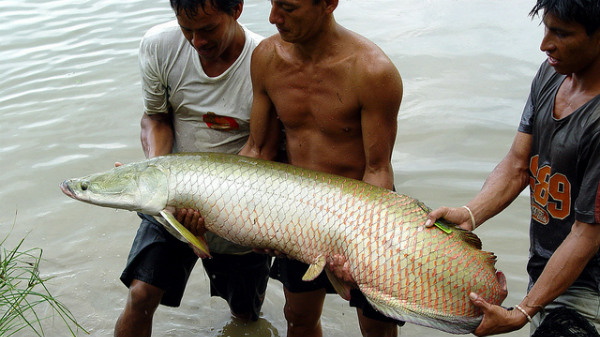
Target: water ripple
60	160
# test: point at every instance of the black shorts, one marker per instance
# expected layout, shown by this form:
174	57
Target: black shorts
241	280
158	258
290	272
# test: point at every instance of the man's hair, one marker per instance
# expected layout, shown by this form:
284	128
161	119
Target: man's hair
190	7
585	12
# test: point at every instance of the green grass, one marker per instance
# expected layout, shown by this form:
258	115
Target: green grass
24	295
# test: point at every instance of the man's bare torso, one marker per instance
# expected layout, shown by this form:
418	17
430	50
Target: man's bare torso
319	105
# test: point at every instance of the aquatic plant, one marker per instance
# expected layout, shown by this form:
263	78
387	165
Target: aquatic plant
23	292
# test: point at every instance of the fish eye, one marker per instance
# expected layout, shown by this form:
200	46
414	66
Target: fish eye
85	185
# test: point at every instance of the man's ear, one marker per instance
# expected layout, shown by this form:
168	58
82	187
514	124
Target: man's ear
237	10
331	5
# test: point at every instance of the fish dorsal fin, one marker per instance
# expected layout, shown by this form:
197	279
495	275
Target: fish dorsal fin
467	236
342	288
472	239
315	269
197	242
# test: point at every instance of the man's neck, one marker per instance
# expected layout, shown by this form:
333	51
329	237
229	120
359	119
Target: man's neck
321	45
587	80
219	65
577	89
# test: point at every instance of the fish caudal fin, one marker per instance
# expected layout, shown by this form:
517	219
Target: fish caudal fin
197	242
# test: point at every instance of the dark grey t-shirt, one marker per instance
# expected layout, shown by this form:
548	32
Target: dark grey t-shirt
564	172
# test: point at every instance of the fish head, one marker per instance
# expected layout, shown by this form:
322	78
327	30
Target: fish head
141	187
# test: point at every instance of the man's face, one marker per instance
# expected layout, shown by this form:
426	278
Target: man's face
297	20
210	31
569	48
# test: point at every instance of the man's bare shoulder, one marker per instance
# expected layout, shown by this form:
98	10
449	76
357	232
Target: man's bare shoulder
376	77
268	48
370	61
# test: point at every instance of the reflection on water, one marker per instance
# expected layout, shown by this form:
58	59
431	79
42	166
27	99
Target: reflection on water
235	328
70	104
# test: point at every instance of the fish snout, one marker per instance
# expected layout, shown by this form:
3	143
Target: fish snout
65	187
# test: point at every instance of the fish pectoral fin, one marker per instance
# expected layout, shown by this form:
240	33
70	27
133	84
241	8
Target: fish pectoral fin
341	287
198	242
315	269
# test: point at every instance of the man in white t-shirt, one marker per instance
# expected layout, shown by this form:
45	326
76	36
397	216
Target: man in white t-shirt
197	97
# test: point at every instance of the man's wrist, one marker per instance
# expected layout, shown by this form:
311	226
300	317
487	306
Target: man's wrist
525	313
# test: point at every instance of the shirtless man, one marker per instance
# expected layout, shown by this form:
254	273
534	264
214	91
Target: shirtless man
337	96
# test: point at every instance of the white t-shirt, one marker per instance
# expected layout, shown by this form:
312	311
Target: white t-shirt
210	114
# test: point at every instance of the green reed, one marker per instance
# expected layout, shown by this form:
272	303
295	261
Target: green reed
23	293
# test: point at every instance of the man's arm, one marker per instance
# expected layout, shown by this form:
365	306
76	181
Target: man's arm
501	187
157	134
265	128
563	268
157	140
565	265
380	96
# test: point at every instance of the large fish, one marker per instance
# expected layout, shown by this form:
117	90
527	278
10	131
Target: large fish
406	271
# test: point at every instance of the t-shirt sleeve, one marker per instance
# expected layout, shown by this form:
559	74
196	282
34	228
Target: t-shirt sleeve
526	124
154	87
528	115
587	205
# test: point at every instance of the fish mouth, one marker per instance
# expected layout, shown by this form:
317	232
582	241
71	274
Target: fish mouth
66	189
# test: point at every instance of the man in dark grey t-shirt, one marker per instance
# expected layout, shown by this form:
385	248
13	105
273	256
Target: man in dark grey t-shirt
557	154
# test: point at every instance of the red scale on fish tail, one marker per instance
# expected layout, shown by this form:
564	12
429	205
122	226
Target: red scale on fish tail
453	250
413	289
417	292
465	309
472	260
355	246
429	298
442	238
477	274
372	244
404	282
447	298
369	267
424	295
412	211
376	270
390	282
436	299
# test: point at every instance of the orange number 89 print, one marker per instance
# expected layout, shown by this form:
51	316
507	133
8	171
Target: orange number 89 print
550	191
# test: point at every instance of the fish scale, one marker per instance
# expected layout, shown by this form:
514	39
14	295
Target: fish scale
406	271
